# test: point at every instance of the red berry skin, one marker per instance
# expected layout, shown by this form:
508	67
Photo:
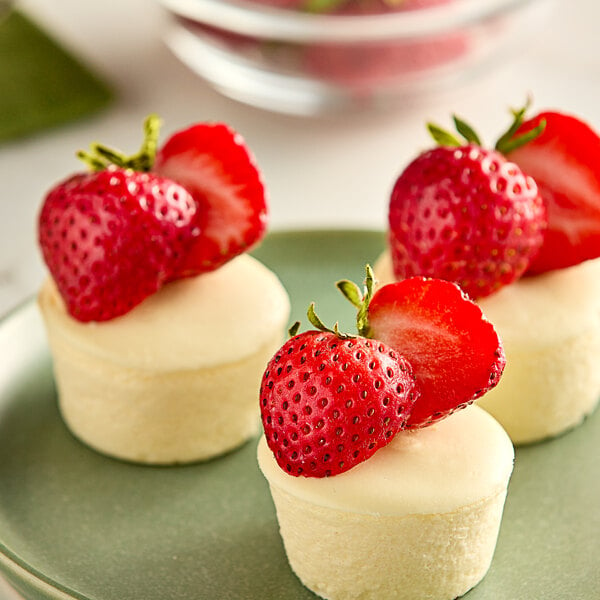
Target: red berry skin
564	160
213	163
328	403
112	238
465	215
455	353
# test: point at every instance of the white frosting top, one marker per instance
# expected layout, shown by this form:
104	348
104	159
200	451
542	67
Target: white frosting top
539	310
458	461
214	318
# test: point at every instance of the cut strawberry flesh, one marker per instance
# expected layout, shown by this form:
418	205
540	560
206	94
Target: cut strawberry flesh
565	163
455	353
213	164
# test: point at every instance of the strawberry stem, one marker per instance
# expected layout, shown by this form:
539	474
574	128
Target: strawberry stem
100	157
443	137
360	300
466	131
505	144
320	6
508	142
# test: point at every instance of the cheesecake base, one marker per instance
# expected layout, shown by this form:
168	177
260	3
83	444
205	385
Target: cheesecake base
368	557
176	379
549	325
417	520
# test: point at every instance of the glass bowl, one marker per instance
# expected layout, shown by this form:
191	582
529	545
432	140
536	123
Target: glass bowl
284	60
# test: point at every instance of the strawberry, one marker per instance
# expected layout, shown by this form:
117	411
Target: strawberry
454	351
111	238
213	164
329	402
565	162
116	235
464	213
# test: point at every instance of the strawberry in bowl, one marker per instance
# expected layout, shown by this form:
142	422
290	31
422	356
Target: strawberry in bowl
515	227
158	320
387	481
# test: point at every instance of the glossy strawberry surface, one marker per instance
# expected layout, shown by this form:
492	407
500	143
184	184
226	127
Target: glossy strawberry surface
111	238
329	403
466	215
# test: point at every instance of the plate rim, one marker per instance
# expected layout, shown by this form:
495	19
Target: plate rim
11	564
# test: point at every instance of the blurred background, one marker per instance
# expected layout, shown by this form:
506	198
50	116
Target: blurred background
73	72
333	170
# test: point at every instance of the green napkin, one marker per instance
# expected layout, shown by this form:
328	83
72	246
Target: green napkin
41	85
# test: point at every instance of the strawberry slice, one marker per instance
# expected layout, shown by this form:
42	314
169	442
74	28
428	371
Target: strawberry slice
212	162
565	163
454	351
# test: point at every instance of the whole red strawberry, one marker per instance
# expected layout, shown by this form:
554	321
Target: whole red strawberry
564	160
115	235
330	402
464	213
111	238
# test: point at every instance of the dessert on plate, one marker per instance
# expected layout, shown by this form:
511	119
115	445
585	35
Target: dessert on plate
382	487
158	321
518	227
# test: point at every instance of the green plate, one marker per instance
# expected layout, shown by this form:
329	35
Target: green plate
74	524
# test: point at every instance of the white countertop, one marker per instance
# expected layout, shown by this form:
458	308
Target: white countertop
320	173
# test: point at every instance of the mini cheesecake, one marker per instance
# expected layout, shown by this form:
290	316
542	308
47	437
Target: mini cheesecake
550	328
176	379
417	520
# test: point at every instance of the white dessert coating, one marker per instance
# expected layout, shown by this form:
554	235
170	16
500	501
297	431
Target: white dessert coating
176	379
237	307
438	469
549	325
417	520
538	310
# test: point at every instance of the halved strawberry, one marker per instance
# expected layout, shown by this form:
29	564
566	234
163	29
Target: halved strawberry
212	162
564	160
454	351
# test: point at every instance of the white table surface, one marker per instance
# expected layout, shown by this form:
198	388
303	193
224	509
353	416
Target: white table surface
320	173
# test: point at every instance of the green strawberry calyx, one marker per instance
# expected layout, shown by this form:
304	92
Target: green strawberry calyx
506	143
100	157
360	299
